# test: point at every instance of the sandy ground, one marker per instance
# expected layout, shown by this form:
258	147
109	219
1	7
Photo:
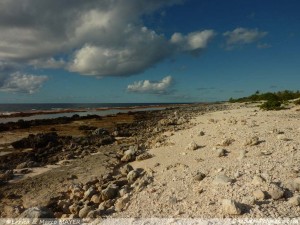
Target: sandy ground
276	159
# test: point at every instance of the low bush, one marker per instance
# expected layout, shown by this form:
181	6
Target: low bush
271	105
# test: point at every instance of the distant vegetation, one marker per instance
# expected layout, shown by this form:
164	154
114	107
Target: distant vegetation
274	100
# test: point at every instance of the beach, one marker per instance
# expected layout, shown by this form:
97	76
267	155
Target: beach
190	161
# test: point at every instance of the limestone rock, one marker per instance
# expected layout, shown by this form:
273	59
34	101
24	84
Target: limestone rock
144	156
282	137
226	142
259	195
275	192
222	179
295	200
121	203
192	146
96	199
252	141
84	212
221	152
89	193
257	180
294	185
132	176
199	176
110	192
124	170
231	207
37	212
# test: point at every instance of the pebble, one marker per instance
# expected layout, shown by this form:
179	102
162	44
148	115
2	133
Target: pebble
275	192
259	195
295	200
252	141
231	207
199	176
132	176
221	152
257	180
222	179
192	146
282	137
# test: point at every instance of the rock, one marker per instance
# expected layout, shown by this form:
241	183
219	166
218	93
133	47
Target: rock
94	214
132	176
259	195
282	137
37	212
100	131
106	204
201	133
275	192
252	141
124	191
242	154
231	207
124	170
226	142
89	193
129	155
121	203
84	211
192	146
222	179
295	200
110	192
257	180
294	185
199	176
221	152
74	209
96	199
144	156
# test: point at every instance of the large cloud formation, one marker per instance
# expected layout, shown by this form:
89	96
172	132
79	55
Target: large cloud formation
96	37
151	87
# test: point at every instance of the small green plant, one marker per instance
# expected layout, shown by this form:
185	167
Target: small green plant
271	105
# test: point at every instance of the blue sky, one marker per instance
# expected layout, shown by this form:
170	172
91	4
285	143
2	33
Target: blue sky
147	51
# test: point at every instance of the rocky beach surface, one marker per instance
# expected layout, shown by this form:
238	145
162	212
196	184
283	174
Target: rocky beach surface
193	161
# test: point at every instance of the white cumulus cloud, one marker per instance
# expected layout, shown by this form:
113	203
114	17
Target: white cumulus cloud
21	83
152	87
241	36
96	37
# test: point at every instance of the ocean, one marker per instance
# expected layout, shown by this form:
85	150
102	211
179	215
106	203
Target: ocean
81	109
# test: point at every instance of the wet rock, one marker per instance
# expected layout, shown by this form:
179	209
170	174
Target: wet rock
124	170
37	141
132	176
192	146
259	195
231	207
251	141
37	212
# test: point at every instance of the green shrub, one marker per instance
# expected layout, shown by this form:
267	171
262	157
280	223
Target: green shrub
271	105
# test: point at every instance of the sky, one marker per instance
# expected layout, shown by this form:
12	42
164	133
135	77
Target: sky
119	51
